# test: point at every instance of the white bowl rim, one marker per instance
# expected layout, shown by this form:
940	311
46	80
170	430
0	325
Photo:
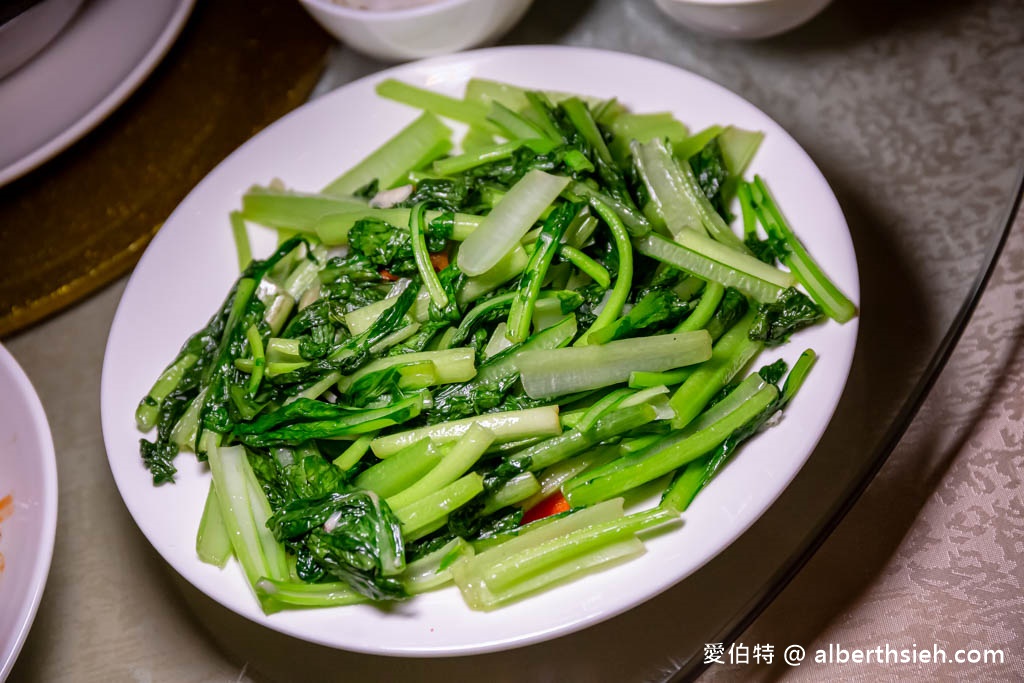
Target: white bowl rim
41	571
722	3
432	7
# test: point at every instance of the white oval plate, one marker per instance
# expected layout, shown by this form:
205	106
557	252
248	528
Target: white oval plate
28	474
190	266
89	69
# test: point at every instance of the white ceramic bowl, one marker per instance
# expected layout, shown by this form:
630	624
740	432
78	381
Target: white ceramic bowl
28	519
746	19
32	30
436	28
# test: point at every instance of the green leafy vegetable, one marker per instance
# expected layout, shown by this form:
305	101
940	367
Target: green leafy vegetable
776	321
353	537
560	306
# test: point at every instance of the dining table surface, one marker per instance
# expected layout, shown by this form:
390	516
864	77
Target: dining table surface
914	112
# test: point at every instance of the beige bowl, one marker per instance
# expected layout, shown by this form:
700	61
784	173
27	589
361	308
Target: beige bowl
435	28
746	19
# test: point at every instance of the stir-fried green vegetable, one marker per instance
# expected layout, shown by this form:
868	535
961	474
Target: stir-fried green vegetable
560	310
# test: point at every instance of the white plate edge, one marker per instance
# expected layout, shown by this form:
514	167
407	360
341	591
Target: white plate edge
853	290
106	106
43	561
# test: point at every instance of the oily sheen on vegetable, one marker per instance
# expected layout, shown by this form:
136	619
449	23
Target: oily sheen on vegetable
532	321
